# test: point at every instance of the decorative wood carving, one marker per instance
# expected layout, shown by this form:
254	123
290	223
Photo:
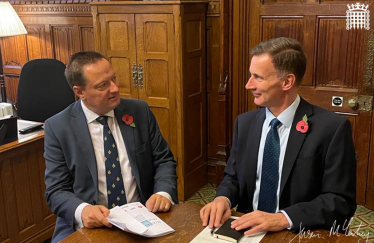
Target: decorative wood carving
369	61
11	83
12	63
87	35
62	39
36	42
24	9
281	1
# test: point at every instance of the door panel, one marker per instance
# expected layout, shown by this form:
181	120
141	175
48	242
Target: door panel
194	108
336	61
155	50
118	43
154	35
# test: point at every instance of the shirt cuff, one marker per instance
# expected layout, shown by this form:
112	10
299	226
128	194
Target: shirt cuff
226	198
78	222
288	219
167	195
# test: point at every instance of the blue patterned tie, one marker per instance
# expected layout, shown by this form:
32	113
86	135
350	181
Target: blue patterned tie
267	201
114	180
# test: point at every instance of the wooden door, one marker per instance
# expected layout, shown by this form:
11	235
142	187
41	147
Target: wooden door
117	43
156	70
337	62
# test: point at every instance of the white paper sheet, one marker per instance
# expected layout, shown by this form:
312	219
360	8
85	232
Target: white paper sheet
135	218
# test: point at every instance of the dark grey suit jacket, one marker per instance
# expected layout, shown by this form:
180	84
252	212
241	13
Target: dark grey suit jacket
71	176
318	181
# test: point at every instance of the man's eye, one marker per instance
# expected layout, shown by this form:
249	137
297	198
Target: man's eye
102	85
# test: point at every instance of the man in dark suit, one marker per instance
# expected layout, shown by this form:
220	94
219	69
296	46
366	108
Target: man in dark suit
292	164
85	172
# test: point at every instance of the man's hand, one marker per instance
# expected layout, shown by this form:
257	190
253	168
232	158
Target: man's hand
158	203
216	212
261	221
95	216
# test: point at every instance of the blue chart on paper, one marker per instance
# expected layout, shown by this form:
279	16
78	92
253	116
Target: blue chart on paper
146	223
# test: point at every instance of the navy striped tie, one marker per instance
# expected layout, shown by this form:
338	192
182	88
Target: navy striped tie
114	180
267	201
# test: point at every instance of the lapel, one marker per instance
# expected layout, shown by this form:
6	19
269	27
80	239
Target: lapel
82	134
295	141
252	147
128	135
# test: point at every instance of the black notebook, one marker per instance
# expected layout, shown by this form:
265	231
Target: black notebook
225	232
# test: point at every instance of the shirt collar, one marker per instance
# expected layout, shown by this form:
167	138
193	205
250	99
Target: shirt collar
286	117
91	116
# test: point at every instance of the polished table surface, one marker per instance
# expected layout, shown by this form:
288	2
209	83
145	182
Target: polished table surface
184	218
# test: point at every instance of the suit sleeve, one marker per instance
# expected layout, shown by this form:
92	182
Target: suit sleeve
59	182
164	165
337	200
229	186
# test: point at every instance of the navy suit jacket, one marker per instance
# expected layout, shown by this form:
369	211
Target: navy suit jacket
318	181
71	173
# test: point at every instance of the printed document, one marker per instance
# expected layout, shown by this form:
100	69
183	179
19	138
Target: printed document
135	218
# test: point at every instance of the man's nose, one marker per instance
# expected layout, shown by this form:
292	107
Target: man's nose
249	84
114	87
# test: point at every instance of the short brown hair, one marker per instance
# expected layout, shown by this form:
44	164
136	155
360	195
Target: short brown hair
74	70
287	54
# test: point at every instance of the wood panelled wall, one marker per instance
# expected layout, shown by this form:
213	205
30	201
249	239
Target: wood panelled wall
54	31
60	28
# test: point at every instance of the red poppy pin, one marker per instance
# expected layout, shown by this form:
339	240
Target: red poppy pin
129	120
302	126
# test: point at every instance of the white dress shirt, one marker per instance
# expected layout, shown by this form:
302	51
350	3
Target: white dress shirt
286	118
96	133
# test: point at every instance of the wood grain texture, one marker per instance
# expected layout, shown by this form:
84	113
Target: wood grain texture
23	209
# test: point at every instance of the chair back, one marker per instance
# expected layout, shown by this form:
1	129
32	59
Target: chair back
43	90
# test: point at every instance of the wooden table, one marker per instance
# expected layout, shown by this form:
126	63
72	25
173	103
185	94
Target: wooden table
185	220
24	214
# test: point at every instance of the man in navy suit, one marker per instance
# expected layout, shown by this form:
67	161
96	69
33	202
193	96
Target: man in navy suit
76	168
312	184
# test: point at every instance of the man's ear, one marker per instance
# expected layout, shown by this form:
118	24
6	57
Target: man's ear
289	81
78	91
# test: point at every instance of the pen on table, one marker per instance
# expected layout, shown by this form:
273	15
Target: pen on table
212	230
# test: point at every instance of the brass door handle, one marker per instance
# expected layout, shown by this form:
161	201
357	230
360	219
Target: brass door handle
134	74
140	75
353	103
361	103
